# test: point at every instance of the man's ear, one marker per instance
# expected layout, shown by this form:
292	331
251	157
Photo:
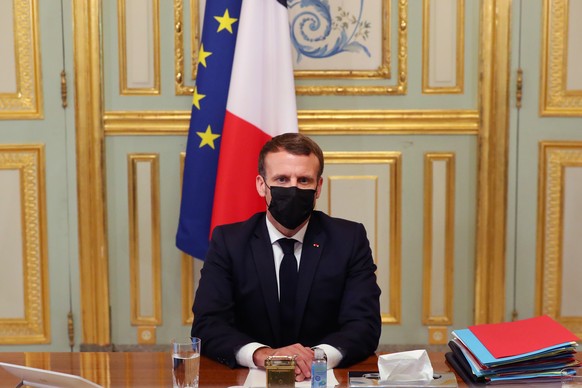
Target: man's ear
261	187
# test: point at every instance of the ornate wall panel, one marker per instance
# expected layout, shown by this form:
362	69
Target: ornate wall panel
373	181
561	83
439	232
139	46
559	213
144	242
26	316
20	84
443	41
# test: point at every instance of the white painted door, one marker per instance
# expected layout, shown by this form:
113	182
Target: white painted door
37	180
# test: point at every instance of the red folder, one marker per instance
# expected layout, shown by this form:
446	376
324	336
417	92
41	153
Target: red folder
527	335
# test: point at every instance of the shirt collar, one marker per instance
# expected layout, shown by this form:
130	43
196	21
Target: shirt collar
275	235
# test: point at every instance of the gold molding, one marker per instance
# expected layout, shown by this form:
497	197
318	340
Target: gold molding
134	239
122	50
187	273
438	335
555	99
29	160
401	74
449	228
460	52
195	37
394	160
146	335
495	48
27	102
92	203
312	122
180	88
383	71
554	158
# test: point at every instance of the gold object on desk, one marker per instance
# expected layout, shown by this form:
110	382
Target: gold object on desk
280	371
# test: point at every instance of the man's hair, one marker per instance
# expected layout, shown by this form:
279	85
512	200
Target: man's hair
294	143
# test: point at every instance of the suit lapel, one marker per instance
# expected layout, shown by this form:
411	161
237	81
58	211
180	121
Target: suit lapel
265	265
313	245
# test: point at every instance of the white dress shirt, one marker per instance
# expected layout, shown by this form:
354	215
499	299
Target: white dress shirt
244	356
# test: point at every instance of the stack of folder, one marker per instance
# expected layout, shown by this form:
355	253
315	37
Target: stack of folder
526	351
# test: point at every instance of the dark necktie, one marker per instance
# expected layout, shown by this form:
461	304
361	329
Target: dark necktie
287	289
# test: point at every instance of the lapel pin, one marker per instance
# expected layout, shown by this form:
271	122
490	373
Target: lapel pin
316	245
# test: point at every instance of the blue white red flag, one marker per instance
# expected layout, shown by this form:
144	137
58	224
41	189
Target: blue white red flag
244	96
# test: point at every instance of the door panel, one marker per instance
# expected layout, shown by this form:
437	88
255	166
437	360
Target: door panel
547	161
37	166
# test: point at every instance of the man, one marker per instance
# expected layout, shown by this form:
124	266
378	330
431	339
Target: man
249	305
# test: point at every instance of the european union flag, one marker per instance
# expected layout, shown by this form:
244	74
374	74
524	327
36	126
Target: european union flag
215	61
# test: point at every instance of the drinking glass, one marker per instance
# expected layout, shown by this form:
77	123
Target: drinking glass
185	362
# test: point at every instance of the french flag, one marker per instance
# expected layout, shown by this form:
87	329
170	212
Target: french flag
245	95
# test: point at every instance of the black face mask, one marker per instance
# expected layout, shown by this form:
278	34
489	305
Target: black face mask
291	206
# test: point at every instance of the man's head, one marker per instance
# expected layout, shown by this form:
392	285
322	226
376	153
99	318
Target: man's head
290	168
293	143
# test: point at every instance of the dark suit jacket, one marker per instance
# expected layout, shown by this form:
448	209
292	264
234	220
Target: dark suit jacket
337	296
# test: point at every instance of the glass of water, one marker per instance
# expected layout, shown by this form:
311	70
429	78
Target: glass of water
185	362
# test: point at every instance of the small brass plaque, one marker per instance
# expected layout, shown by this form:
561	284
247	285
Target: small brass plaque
280	371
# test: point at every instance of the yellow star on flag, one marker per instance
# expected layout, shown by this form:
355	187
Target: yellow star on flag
225	21
197	97
207	138
202	55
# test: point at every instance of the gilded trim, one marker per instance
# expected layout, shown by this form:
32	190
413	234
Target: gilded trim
92	202
394	161
124	89
382	72
449	227
401	85
146	335
554	157
137	318
29	160
180	88
313	122
492	188
460	52
187	273
555	99
195	37
27	102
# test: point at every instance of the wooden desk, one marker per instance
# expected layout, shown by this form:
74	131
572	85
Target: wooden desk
145	369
